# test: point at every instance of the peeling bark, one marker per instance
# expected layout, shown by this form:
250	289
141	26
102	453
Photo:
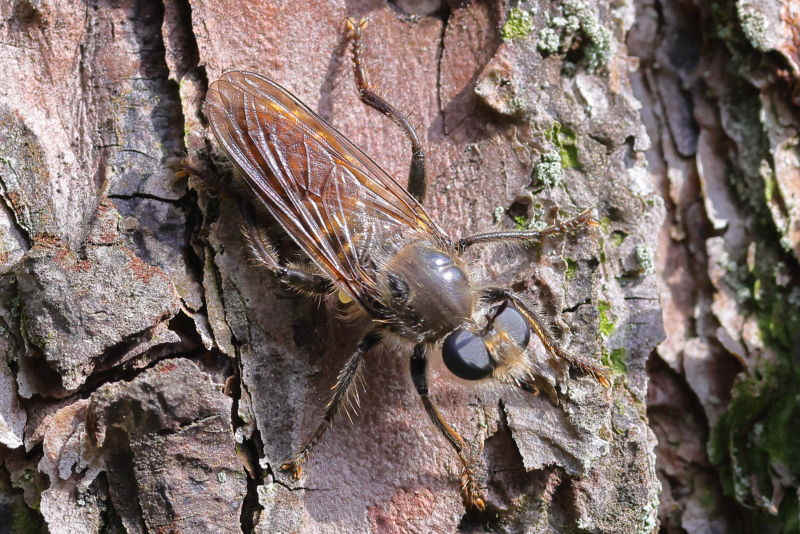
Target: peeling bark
728	259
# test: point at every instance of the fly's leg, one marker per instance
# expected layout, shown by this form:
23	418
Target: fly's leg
494	294
297	278
583	220
416	174
470	491
343	392
263	254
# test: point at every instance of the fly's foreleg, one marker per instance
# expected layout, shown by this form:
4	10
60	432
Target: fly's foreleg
493	295
343	391
470	491
583	220
416	175
301	280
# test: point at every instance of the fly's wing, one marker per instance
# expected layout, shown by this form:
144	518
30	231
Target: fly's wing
326	193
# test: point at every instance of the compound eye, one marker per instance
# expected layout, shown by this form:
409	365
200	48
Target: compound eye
514	324
466	356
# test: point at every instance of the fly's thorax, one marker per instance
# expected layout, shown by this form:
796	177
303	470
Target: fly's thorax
426	288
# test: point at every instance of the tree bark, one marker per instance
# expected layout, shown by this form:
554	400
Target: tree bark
154	379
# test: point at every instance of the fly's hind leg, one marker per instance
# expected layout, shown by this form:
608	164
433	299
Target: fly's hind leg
470	491
301	280
416	174
343	391
263	254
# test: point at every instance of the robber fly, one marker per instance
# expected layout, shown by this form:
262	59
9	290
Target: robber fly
371	241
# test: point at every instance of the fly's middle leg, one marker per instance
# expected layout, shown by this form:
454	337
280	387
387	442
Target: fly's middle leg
471	492
416	174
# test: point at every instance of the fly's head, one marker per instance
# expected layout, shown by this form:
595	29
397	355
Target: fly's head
429	297
493	346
